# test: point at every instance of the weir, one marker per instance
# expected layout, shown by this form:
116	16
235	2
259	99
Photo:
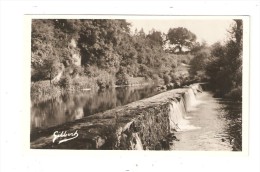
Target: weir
147	124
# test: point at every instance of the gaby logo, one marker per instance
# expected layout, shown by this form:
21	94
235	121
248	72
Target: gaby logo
64	136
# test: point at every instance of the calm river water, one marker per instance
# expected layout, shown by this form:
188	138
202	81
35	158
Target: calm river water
71	107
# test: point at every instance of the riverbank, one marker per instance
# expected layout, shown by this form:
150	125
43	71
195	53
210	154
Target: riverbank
148	124
44	90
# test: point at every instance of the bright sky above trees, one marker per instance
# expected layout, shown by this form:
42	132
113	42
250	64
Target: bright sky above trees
205	29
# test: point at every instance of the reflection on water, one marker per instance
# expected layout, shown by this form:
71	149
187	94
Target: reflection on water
71	107
219	122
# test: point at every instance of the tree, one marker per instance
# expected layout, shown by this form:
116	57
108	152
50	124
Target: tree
225	69
105	44
99	40
199	62
122	77
156	37
181	37
51	66
217	50
197	47
49	47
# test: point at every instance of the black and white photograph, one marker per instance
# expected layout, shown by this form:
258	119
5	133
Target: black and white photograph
138	83
129	86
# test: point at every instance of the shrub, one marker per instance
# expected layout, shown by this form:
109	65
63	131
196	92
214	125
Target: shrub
173	76
167	79
65	82
42	90
156	78
77	70
92	71
84	83
200	61
105	80
235	94
122	77
102	78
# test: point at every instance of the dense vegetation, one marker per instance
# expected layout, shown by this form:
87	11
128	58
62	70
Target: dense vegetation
79	54
221	65
76	54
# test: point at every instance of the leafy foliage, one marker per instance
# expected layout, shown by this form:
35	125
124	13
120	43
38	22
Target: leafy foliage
122	77
102	51
200	61
65	82
225	69
181	37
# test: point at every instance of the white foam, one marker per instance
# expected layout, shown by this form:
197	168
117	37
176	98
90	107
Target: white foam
138	145
178	119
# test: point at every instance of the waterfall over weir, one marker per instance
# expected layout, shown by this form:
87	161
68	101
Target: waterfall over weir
190	99
178	110
179	106
179	121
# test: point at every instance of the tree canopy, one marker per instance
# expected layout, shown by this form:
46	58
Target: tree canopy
104	44
181	37
225	69
107	49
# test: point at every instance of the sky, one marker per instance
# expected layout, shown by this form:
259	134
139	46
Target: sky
210	31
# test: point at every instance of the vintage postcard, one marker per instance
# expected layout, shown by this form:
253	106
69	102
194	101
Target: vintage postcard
153	83
129	86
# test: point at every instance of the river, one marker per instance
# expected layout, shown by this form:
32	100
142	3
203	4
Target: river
216	122
71	107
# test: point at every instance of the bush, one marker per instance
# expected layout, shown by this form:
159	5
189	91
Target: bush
235	94
42	90
65	82
200	61
167	79
84	83
77	70
92	71
102	78
122	77
173	77
156	78
105	80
